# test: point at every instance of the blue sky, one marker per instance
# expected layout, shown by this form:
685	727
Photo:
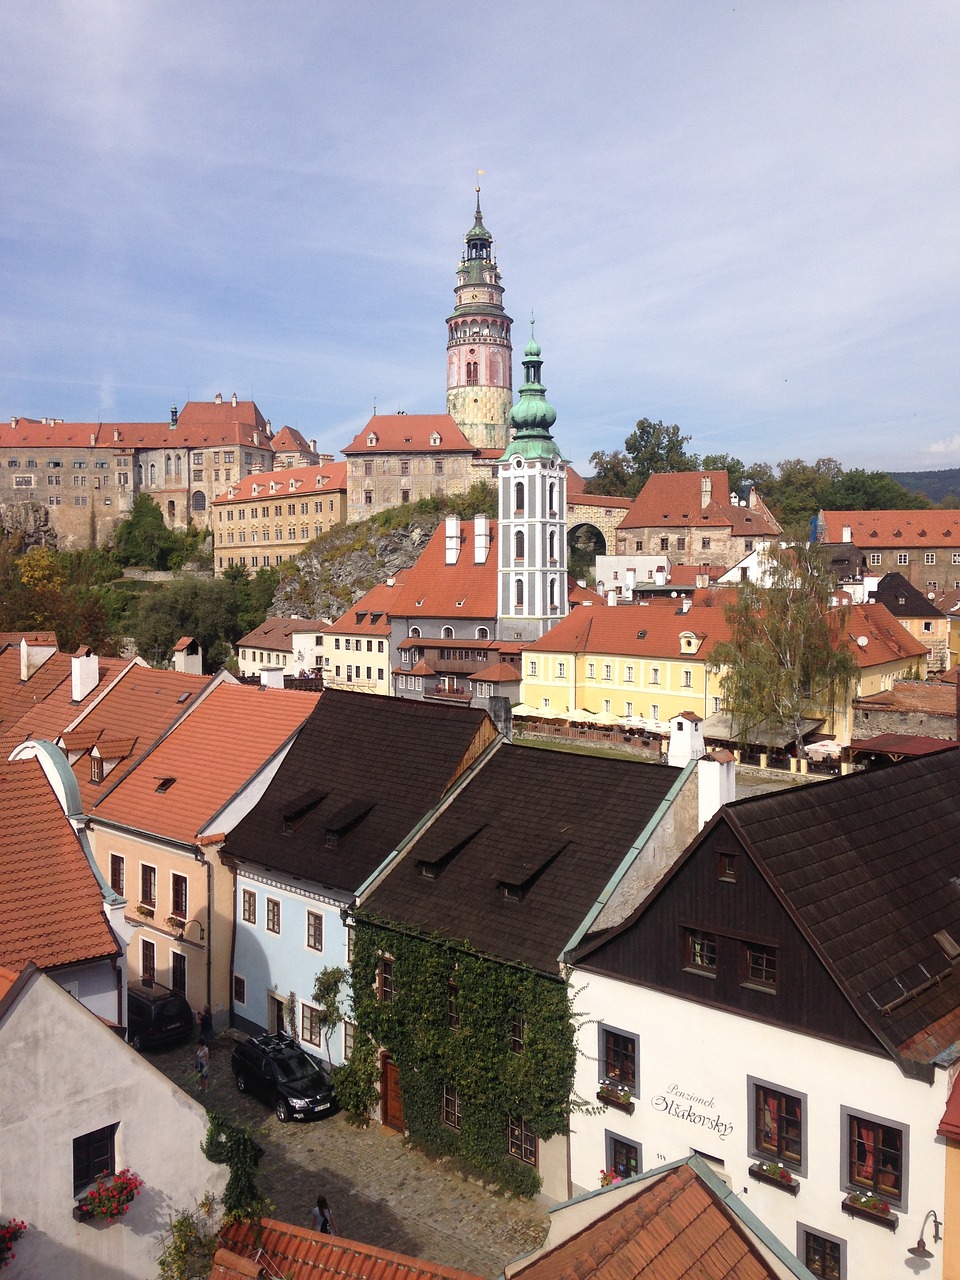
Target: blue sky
743	218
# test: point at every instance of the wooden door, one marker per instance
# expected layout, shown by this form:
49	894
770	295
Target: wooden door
276	1016
391	1100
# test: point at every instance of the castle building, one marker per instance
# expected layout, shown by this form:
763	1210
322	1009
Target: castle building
479	353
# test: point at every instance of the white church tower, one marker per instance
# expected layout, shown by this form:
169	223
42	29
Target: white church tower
532	498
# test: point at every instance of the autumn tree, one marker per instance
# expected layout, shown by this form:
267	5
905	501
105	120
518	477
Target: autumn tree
786	660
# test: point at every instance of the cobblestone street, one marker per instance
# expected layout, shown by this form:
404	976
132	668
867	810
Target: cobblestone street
381	1191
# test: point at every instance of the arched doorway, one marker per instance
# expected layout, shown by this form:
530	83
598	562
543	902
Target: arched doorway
584	543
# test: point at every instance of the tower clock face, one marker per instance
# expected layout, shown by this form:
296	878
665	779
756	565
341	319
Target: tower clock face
473	297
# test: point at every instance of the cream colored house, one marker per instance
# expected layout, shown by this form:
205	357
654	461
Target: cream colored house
292	644
75	1101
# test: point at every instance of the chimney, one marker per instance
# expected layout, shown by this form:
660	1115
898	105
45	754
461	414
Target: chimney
611	598
686	739
706	492
174	417
716	784
116	435
453	539
84	673
256	439
188	656
271	677
313	446
93	439
13	421
481	539
233	399
218	398
686	603
43	421
32	657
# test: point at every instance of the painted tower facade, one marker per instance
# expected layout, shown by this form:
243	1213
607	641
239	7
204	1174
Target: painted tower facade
479	352
532	502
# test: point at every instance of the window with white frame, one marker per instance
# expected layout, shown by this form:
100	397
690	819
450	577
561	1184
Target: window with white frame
628	674
273	915
929	557
521	1140
314	930
903	557
628	708
876	558
607	671
654	675
561	670
687	678
591	671
249	906
532	667
148	885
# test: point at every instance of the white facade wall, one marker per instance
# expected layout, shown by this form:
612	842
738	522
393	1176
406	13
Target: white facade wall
62	1075
688	1051
543	525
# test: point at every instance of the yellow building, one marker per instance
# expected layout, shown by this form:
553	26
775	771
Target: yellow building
356	648
266	519
644	663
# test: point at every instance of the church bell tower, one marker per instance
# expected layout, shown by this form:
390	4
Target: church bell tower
479	353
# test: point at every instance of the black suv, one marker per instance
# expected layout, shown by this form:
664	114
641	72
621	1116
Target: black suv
157	1016
277	1070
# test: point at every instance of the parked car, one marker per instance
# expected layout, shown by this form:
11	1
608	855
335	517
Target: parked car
157	1016
275	1069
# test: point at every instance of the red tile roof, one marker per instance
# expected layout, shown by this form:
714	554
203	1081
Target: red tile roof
914	695
370	615
886	640
277	634
410	433
674	1228
597	500
43	707
290	440
138	707
870	530
671	500
498	673
51	907
434	589
31	637
949	1126
327	477
31	433
637	631
209	757
200	423
300	1254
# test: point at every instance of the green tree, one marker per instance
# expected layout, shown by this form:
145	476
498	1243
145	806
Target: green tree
649	448
612	474
207	610
327	991
142	538
860	490
787	658
734	468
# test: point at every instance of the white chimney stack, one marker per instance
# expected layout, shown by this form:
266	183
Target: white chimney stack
218	398
481	539
706	492
33	656
686	739
611	597
846	534
84	673
716	784
271	677
453	539
687	602
233	399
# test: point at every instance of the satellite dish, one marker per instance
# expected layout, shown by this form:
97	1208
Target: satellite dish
862	641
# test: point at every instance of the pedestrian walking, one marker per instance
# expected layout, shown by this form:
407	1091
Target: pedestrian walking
206	1026
321	1217
202	1064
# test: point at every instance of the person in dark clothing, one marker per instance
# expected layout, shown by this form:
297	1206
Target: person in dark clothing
206	1026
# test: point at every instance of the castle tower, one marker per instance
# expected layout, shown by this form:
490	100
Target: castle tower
532	501
479	354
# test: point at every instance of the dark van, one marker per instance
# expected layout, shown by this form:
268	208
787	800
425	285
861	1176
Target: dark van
157	1016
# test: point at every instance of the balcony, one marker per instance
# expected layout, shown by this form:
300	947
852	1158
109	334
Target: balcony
445	694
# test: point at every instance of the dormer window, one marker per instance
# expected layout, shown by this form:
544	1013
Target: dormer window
435	439
96	769
372	440
164	785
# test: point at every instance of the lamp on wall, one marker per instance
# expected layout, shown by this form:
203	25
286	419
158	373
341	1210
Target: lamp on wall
186	926
920	1250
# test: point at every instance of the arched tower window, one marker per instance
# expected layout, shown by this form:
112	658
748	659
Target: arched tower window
518	593
552	593
552	501
168	466
177	467
473	373
552	544
519	503
153	473
518	545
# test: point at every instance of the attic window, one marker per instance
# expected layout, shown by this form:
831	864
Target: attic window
184	697
435	439
375	618
96	769
372	439
300	809
948	945
512	892
164	785
361	614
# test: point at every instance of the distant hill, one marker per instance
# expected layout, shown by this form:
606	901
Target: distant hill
936	485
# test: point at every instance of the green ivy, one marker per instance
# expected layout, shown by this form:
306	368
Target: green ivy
231	1145
476	1058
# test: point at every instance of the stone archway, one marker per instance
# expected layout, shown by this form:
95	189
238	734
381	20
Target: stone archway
584	543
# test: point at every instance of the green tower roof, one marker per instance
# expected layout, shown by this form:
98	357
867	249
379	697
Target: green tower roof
533	415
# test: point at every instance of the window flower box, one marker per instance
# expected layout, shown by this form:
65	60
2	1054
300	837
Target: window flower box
872	1208
616	1095
109	1198
774	1175
146	911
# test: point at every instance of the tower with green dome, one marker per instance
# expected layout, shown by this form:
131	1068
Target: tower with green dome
479	351
532	500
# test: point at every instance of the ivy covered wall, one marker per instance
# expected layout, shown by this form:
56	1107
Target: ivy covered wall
477	1057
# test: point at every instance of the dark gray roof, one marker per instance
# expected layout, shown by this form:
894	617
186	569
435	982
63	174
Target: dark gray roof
362	772
869	865
894	588
518	857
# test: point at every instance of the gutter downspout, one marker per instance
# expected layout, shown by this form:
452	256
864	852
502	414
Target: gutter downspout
631	856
